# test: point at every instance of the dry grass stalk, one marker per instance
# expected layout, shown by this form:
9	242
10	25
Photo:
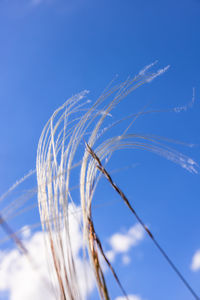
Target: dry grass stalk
13	235
58	150
102	169
96	263
107	261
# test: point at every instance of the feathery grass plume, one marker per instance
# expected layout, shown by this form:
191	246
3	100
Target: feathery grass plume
58	152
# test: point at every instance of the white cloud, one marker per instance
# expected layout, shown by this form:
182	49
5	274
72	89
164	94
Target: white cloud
25	232
121	243
20	278
126	259
25	280
195	265
30	279
110	255
130	297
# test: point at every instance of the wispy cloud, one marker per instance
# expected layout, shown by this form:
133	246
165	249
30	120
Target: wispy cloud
121	243
126	259
195	265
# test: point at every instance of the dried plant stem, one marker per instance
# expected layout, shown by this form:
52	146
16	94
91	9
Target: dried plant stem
13	235
122	195
94	242
58	150
58	271
98	270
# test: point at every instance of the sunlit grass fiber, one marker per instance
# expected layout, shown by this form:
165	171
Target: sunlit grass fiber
74	138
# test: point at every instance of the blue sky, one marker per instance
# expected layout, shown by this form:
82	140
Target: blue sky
49	51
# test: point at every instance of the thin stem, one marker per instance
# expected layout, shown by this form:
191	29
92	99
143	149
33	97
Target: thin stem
122	195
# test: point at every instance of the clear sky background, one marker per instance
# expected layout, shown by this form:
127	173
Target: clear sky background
51	50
